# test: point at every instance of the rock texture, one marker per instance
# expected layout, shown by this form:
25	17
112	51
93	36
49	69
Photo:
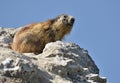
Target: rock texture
60	62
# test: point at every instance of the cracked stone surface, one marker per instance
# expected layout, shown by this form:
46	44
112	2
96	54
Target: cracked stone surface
60	62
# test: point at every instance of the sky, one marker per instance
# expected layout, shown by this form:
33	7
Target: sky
96	28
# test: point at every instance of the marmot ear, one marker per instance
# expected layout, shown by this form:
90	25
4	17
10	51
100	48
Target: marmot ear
57	18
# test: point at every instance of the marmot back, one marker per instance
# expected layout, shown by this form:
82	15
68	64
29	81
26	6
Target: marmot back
34	37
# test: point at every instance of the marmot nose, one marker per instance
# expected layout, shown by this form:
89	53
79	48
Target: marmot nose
72	20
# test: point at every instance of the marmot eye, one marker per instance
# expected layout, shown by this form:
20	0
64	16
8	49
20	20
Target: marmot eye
65	16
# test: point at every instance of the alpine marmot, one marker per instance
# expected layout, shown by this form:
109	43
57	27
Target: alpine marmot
34	37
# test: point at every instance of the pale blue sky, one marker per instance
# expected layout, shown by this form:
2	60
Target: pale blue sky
97	26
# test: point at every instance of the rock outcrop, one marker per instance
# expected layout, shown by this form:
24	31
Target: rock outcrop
60	62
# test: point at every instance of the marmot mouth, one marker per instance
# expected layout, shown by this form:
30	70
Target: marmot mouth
71	21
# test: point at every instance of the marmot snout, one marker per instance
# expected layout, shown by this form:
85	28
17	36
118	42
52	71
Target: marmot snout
34	37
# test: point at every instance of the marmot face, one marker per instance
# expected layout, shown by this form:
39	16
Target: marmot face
34	37
66	20
64	24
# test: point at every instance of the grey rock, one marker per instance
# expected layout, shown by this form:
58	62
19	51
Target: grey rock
96	78
60	62
6	36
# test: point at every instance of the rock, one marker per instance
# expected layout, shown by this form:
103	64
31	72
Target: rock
6	36
60	62
96	78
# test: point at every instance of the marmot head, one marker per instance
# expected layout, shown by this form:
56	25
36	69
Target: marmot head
64	24
67	20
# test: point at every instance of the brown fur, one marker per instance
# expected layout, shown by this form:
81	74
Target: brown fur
34	37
